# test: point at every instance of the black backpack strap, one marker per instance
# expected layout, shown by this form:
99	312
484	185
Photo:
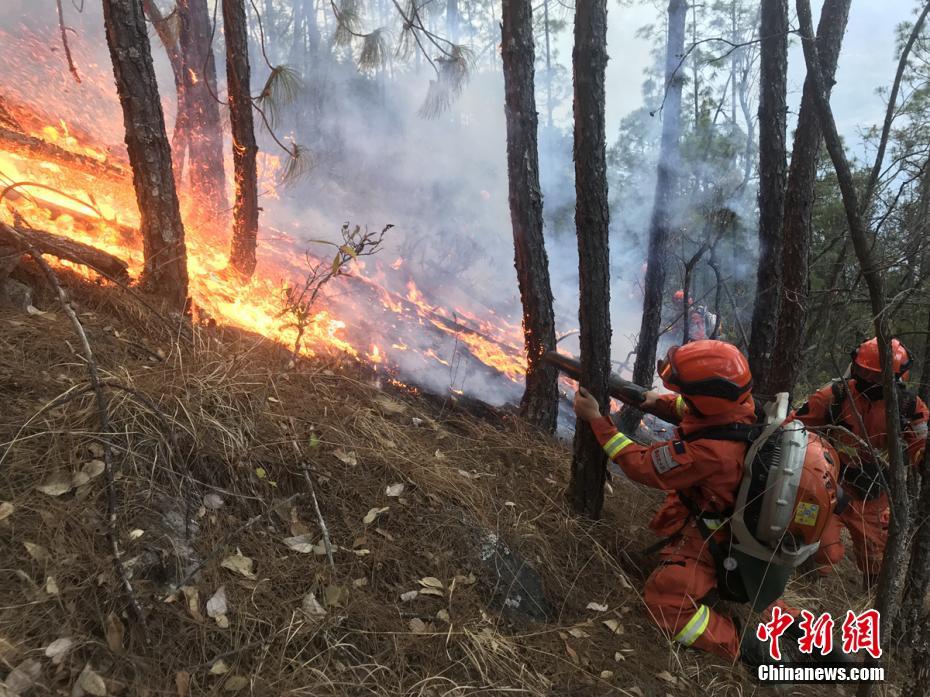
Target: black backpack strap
907	403
839	390
745	433
729	582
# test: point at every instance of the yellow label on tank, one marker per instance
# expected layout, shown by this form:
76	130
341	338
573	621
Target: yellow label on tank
806	513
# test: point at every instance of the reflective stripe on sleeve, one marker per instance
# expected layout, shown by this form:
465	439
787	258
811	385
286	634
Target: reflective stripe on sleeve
695	627
617	443
680	406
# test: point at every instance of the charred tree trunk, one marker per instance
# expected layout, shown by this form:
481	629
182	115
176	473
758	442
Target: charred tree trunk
245	210
205	130
165	271
662	208
589	62
772	179
799	205
540	400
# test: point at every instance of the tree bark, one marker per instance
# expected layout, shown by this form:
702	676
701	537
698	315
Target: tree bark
799	204
540	400
662	222
890	579
173	51
589	62
205	129
165	269
245	210
918	571
773	169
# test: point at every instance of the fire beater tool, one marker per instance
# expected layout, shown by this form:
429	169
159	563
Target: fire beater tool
627	392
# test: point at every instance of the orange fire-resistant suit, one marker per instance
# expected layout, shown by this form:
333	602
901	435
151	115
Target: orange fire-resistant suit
708	472
867	513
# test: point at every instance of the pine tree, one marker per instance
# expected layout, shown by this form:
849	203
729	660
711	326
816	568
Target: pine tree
165	270
589	63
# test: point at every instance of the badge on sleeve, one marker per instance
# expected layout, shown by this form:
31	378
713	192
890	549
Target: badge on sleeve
662	459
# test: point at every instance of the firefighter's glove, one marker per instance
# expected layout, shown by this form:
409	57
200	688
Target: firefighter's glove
586	407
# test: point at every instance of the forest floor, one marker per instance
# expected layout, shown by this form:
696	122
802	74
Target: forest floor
457	567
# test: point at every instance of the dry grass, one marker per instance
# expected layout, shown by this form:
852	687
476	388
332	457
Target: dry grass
220	415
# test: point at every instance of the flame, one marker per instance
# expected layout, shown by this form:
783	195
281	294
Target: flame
99	208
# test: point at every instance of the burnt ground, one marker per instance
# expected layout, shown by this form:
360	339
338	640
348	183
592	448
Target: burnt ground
457	568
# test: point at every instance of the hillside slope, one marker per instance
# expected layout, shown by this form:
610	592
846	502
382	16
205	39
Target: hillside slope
457	569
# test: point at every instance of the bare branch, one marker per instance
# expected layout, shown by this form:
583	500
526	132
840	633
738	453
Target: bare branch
64	42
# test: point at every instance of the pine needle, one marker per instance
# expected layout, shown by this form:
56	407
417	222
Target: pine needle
452	74
374	52
348	20
298	164
280	91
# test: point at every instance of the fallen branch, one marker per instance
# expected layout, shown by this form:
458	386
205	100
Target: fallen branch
48	151
87	220
102	414
319	517
27	239
316	504
7	120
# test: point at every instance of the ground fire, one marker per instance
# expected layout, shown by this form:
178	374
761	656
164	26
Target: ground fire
63	183
311	319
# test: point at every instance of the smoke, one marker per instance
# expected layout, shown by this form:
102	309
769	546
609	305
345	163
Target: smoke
442	182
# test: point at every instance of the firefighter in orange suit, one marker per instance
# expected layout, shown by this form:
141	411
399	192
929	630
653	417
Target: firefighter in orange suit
857	404
713	386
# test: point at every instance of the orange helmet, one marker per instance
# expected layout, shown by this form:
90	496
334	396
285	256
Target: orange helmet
679	296
867	366
712	375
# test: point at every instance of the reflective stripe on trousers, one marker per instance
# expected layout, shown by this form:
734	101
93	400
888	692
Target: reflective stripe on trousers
695	627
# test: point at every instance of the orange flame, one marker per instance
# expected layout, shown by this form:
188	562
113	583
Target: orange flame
101	211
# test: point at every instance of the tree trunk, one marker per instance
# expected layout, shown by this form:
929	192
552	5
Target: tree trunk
918	572
245	210
920	663
165	270
173	51
205	134
893	565
799	205
662	222
772	179
589	62
540	400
